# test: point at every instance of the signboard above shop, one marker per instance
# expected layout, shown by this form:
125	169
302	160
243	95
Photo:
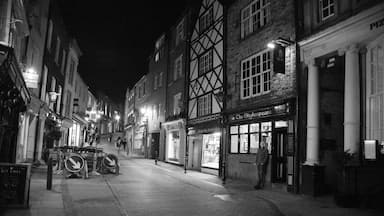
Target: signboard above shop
280	109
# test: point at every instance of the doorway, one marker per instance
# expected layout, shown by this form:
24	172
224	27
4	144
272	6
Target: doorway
196	154
279	155
332	78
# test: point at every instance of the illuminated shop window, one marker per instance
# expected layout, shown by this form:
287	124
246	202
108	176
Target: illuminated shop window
174	146
246	138
211	150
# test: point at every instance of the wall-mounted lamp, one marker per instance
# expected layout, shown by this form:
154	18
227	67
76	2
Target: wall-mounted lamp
278	46
280	42
53	96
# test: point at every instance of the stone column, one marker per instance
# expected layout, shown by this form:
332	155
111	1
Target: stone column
352	101
313	107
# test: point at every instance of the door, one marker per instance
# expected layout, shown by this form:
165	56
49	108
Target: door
196	161
279	155
154	148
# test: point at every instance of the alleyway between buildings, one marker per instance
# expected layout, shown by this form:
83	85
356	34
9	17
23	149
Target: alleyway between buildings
144	189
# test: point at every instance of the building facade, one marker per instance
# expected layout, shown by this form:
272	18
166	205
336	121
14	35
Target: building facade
154	110
14	95
341	44
261	90
175	116
205	89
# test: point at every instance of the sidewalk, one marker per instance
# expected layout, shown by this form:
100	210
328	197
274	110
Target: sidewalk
60	200
41	200
286	203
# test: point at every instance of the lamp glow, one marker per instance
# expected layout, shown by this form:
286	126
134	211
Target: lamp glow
271	45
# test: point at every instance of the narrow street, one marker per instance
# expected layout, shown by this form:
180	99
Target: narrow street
143	188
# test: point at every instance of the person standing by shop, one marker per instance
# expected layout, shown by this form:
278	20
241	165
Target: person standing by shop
261	163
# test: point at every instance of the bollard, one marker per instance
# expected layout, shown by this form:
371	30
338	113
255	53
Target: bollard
49	174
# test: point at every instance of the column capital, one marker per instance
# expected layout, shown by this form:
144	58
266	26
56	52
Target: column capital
352	48
310	61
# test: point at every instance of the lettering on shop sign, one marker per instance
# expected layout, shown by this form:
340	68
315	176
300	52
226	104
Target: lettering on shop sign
377	24
275	110
14	185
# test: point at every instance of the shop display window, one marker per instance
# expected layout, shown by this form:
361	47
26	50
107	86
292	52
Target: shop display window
174	146
211	150
246	138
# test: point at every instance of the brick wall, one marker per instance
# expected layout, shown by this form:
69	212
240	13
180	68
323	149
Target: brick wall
281	25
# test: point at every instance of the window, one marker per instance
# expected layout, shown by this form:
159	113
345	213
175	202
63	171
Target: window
44	83
53	89
177	103
160	79
180	32
50	31
246	138
68	104
204	105
71	71
63	61
57	50
143	88
178	67
157	56
256	74
375	93
254	16
58	106
206	20
155	82
327	9
205	62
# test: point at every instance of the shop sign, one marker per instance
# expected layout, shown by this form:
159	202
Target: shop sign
279	59
14	185
270	111
202	130
74	163
31	79
377	24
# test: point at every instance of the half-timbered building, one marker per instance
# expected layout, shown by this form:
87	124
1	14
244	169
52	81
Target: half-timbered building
205	89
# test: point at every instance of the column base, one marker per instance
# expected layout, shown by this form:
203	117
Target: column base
313	180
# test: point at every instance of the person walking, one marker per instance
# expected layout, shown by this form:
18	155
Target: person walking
261	163
124	143
118	144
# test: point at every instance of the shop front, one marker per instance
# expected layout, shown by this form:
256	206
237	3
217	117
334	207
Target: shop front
204	147
139	140
273	126
175	141
14	97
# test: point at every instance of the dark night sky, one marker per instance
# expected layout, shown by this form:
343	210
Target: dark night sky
116	38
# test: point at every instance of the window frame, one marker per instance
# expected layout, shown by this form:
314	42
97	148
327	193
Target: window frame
259	78
205	62
264	12
178	70
249	133
180	32
206	108
206	20
375	91
321	9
